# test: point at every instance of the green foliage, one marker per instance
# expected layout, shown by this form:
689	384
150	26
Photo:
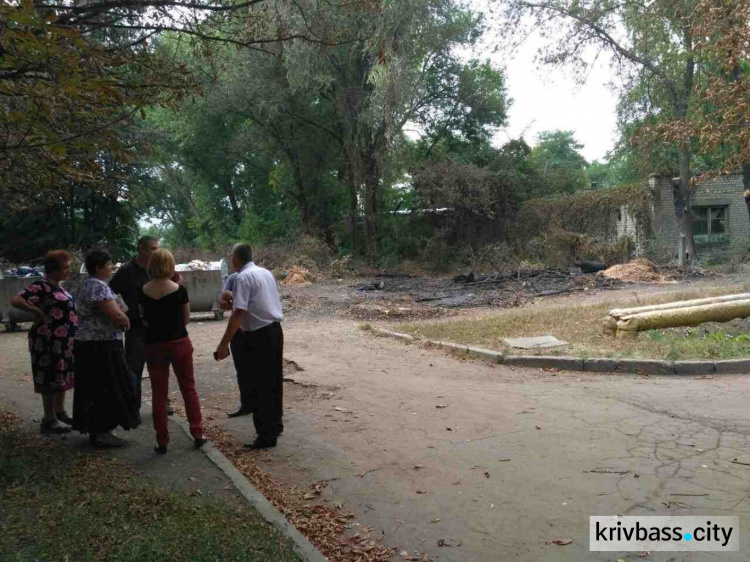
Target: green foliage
66	98
557	159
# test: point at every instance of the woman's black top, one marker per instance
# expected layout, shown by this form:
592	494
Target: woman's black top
164	317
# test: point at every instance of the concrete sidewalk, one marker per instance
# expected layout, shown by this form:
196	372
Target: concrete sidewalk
184	468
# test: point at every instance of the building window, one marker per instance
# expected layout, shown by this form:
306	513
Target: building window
710	225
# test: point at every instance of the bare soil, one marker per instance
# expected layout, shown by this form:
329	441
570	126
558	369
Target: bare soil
446	459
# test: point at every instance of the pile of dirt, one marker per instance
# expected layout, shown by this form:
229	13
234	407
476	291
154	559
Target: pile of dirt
637	271
298	277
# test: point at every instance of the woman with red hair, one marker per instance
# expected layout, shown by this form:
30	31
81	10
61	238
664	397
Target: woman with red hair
51	338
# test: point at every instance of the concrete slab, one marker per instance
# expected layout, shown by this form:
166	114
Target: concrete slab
537	342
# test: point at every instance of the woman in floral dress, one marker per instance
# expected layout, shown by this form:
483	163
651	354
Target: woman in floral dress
51	338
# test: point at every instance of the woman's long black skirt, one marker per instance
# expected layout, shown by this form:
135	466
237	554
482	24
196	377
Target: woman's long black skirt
105	395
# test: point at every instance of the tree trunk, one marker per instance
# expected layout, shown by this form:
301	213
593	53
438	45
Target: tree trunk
746	185
72	215
681	104
371	212
682	203
302	200
236	211
372	198
353	210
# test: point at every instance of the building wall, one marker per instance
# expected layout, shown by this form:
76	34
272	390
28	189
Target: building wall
726	191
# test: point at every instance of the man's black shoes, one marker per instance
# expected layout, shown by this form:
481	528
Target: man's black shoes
241	411
261	443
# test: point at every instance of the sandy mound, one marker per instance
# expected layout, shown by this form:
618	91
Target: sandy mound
298	277
637	271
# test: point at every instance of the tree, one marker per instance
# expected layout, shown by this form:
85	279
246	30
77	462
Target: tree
72	73
65	102
560	164
721	120
652	45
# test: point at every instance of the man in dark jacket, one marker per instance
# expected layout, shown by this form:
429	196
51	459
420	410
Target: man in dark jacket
128	282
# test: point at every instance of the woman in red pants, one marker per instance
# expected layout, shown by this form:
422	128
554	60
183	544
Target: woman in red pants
165	309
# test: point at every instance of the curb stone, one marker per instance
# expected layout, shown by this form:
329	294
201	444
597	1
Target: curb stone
594	365
600	365
545	362
694	368
733	367
301	546
652	366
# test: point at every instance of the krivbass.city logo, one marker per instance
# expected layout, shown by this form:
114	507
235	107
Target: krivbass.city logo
667	533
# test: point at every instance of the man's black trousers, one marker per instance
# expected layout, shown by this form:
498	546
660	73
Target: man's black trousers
259	360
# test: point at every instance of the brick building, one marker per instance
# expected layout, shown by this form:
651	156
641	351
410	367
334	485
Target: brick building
721	223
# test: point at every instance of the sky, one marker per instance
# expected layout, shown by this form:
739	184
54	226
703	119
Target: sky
547	98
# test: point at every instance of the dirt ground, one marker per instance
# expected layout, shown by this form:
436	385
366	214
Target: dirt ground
399	297
461	460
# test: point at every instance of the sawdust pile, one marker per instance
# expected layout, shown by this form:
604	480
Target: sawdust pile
637	271
298	277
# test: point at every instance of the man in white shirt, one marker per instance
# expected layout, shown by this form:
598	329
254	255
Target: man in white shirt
248	392
257	314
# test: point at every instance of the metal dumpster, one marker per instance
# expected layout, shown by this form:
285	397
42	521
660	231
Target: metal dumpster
204	288
8	315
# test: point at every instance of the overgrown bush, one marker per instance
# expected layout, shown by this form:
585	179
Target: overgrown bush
439	255
560	248
563	229
490	257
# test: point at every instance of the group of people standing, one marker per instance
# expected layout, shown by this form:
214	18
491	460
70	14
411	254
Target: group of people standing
100	339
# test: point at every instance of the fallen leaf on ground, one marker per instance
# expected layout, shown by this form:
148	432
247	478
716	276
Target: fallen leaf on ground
443	542
441	406
449	429
641	373
418	466
536	426
487	474
560	542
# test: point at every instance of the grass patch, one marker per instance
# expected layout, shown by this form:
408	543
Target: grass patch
581	326
56	504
